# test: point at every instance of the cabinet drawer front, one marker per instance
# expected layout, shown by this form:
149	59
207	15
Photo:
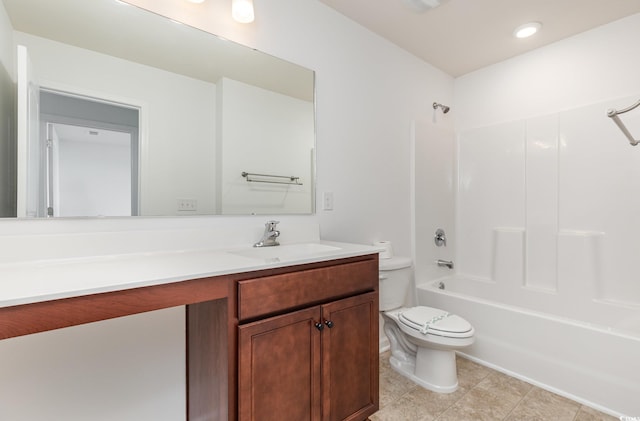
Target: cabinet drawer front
273	294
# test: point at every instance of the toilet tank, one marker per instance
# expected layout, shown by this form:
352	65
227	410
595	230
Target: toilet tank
395	276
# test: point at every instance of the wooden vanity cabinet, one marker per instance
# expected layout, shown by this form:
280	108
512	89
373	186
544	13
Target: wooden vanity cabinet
318	362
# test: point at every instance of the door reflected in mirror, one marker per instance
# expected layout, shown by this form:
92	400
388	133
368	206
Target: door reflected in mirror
91	157
91	172
201	112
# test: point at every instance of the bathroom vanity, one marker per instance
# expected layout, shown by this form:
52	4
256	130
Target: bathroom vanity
267	338
303	348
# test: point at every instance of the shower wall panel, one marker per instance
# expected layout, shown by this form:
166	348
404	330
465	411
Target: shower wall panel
491	192
600	191
541	187
567	182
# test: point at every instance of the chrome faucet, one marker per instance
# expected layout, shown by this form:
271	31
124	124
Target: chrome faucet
445	263
269	236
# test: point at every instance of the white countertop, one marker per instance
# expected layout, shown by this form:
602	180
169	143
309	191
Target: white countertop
44	280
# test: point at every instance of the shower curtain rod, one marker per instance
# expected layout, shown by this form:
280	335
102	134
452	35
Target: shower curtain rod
613	114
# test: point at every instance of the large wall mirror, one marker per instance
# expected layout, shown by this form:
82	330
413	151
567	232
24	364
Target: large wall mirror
110	110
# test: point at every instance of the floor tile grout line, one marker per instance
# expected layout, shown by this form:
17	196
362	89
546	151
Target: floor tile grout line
467	391
453	403
519	401
575	417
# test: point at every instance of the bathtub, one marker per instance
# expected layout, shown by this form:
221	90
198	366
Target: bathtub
597	364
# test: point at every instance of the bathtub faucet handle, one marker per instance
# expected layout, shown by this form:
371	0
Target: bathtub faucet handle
440	238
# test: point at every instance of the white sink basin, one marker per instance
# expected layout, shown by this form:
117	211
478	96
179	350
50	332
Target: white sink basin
287	252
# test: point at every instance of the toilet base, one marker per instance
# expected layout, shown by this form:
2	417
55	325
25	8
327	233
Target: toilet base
431	363
432	369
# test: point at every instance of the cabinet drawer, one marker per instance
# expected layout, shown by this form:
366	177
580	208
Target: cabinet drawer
273	294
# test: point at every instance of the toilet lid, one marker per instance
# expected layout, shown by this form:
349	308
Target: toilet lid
434	321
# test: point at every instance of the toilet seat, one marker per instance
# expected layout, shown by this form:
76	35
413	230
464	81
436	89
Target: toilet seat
433	321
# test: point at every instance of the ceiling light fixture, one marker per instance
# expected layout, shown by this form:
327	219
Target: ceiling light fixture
242	11
526	30
423	5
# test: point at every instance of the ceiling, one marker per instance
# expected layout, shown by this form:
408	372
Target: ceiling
461	36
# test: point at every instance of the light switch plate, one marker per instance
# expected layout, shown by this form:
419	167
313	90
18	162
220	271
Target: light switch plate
327	200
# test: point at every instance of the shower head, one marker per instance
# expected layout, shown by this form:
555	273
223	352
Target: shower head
445	109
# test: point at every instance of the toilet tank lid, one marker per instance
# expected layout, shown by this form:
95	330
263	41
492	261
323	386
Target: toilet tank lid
396	262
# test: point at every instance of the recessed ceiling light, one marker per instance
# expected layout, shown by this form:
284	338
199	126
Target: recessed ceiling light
526	30
423	5
196	1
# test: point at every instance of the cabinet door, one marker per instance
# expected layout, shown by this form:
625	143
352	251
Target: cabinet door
279	368
350	358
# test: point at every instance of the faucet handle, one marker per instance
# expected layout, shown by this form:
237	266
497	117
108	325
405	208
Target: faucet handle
271	225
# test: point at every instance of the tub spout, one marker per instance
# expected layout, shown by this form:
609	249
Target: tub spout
445	263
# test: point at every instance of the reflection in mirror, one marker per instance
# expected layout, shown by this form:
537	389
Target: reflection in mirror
146	117
90	164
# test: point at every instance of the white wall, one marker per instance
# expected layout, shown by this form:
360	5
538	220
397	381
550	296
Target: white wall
263	132
177	152
594	66
368	94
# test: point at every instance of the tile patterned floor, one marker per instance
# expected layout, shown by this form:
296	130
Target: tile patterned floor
484	394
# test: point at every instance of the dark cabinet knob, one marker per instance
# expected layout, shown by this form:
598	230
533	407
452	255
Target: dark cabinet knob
329	323
319	326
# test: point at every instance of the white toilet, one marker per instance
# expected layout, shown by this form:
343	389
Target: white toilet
423	340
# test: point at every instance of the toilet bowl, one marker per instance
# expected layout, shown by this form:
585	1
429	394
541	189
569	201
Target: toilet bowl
423	339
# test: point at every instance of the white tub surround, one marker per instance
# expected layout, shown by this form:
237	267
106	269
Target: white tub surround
546	212
545	252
